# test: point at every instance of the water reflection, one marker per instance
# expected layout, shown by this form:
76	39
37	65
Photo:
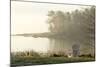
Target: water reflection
59	45
51	45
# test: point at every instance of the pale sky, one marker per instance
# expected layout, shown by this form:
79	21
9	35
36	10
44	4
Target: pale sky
31	17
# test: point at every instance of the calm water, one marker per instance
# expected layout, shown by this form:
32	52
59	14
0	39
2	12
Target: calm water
20	43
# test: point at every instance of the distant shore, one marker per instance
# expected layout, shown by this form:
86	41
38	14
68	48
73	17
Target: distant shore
43	35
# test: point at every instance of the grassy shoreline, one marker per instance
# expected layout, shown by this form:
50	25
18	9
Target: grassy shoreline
34	58
50	60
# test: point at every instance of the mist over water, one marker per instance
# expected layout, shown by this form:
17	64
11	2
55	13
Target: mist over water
44	45
20	43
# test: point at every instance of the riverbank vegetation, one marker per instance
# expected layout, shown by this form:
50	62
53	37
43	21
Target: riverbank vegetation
33	58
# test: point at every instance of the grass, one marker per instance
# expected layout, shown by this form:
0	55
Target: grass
22	59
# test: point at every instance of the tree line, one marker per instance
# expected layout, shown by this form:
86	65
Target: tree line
76	25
